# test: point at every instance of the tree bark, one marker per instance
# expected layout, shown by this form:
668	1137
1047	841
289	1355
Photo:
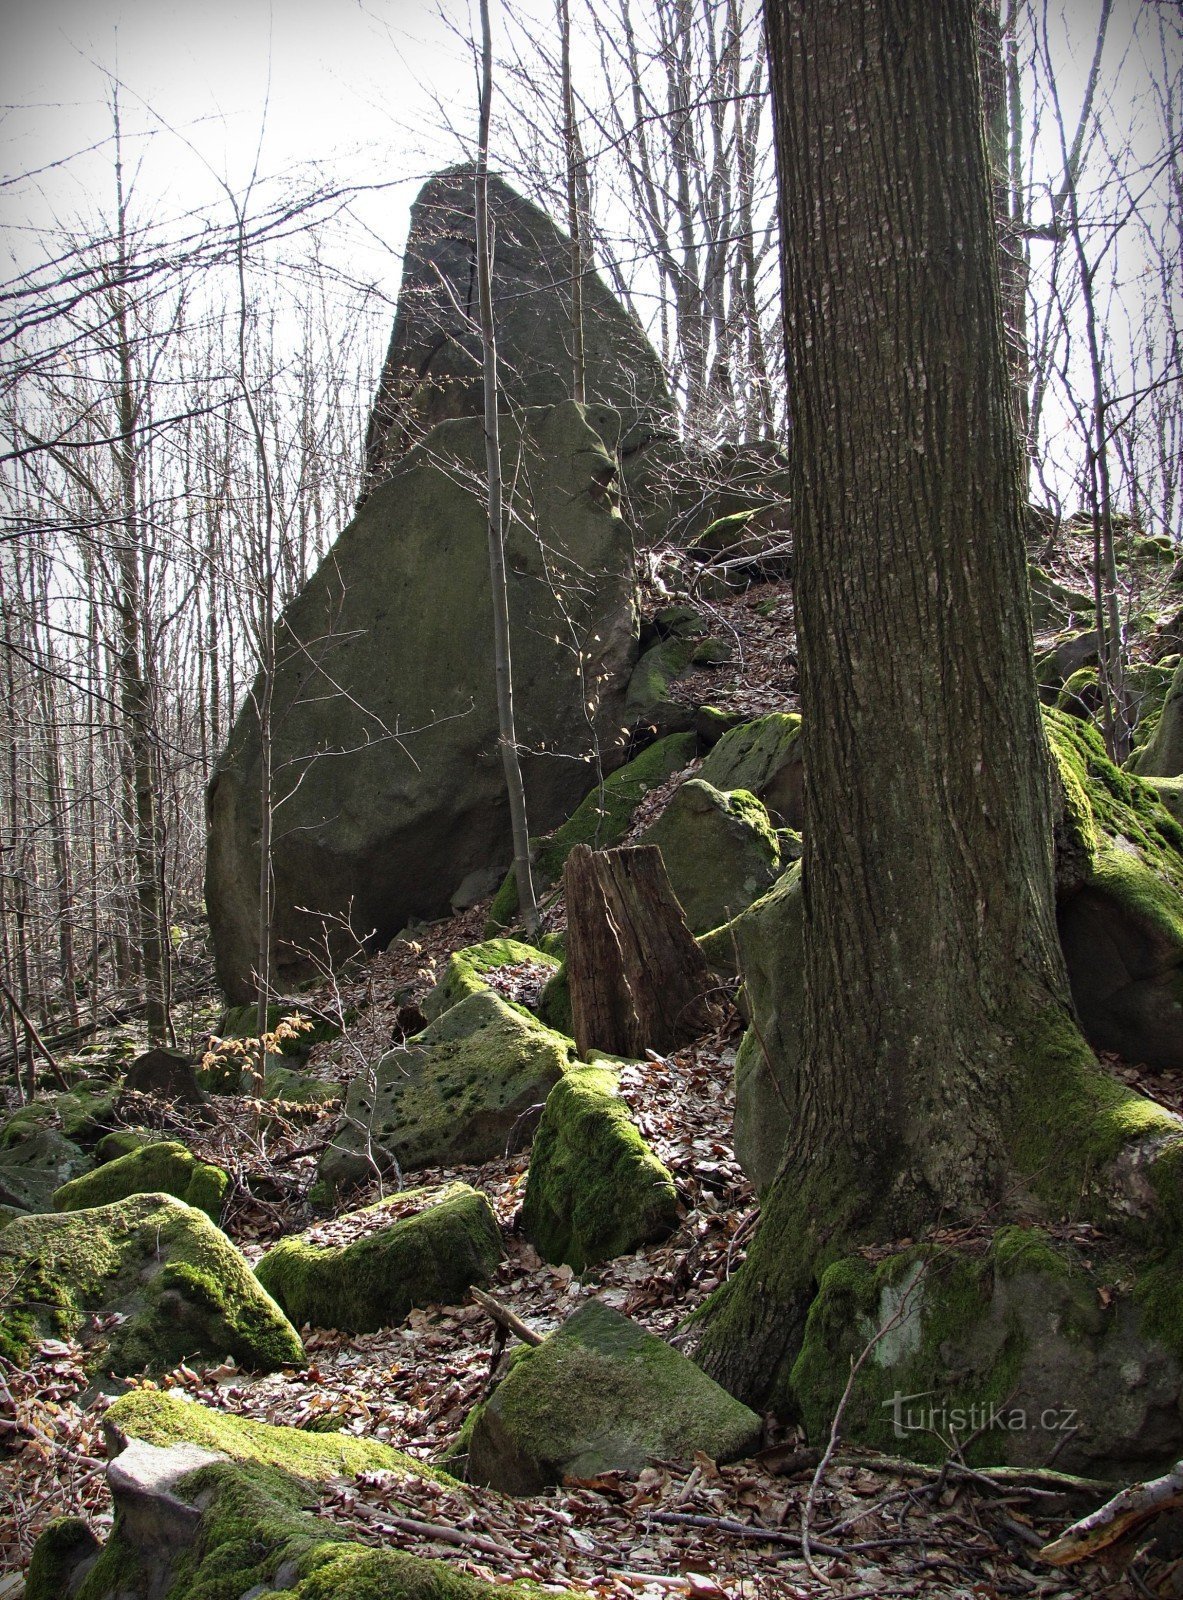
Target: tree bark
638	980
929	926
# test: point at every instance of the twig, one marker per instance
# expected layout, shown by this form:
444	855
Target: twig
1116	1517
34	1036
461	1537
507	1318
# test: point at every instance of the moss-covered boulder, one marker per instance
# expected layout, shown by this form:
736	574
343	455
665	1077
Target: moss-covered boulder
1019	1345
164	1168
1119	892
82	1114
146	1282
600	821
762	756
1162	754
294	1088
212	1505
594	1189
455	1093
35	1165
600	1395
430	1255
1064	655
1054	605
719	849
467	970
554	1003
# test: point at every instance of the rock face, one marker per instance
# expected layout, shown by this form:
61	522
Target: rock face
719	850
764	757
1162	754
433	367
180	1288
33	1167
212	1504
594	1188
431	1256
1017	1341
599	1395
456	1093
164	1168
388	785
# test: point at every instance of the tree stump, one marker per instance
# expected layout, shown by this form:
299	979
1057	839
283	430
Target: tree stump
638	980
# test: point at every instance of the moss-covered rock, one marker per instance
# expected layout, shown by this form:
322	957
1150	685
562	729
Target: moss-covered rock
1066	654
1054	605
82	1114
164	1168
33	1166
121	1142
601	1394
454	1094
161	1283
554	1003
649	700
295	1088
1162	754
600	821
1013	1346
719	849
762	756
212	1507
466	970
1119	889
1081	695
594	1189
431	1257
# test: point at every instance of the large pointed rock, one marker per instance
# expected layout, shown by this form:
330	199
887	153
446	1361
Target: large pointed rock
388	788
433	367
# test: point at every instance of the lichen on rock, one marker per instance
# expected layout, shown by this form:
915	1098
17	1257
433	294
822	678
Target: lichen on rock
430	1257
594	1189
466	970
719	850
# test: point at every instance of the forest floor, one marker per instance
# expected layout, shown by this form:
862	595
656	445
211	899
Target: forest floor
879	1526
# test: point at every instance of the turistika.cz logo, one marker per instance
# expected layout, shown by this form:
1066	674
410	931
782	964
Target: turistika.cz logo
922	1413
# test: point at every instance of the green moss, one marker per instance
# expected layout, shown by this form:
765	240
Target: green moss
754	755
122	1142
594	1189
466	971
720	851
554	1004
180	1286
601	820
82	1114
164	1168
430	1258
1018	1249
1080	694
63	1544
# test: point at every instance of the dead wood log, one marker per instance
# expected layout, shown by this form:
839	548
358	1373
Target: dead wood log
1117	1518
638	979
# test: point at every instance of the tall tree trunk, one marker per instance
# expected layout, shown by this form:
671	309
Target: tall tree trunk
929	921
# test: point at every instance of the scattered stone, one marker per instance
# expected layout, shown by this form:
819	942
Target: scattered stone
601	1395
431	1257
146	1283
594	1189
166	1167
387	745
455	1094
166	1073
466	969
719	851
32	1168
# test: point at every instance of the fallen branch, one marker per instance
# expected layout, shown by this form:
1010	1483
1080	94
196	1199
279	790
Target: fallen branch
1116	1518
35	1038
505	1317
1032	1480
436	1531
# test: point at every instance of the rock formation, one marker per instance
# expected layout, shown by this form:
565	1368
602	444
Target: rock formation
388	788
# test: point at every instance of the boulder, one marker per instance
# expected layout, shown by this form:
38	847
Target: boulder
467	969
456	1093
433	369
600	821
594	1189
33	1167
385	728
146	1282
166	1073
764	757
207	1503
601	1395
163	1168
82	1114
719	850
1066	654
1026	1349
1162	754
421	1248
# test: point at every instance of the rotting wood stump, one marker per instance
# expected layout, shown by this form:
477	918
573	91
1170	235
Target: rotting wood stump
638	979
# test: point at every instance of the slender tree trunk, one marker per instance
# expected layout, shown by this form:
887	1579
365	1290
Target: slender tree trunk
575	222
929	922
503	664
